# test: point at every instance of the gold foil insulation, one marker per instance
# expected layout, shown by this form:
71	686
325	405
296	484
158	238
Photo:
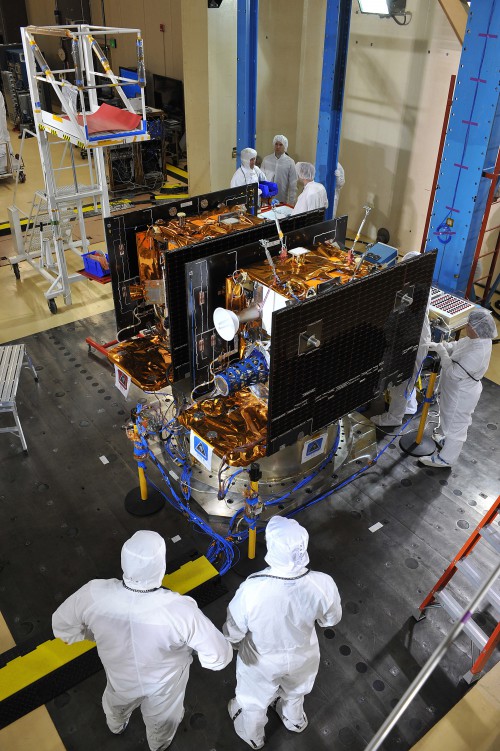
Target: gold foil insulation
178	233
235	426
145	359
298	274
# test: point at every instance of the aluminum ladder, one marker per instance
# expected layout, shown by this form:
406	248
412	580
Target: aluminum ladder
438	594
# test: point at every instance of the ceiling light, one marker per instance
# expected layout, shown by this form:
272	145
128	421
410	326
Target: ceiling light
386	9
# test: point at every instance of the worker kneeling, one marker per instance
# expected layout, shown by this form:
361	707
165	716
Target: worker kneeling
271	622
145	636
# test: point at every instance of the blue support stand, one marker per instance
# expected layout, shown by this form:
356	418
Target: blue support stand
338	17
470	149
246	74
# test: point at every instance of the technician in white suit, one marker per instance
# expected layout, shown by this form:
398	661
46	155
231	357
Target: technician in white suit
339	184
463	364
314	194
271	621
145	637
280	169
248	173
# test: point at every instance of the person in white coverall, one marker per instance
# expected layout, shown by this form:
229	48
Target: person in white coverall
145	636
463	364
280	169
339	184
248	173
271	622
314	194
402	398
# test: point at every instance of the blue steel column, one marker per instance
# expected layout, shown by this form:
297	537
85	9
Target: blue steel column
470	148
246	74
338	18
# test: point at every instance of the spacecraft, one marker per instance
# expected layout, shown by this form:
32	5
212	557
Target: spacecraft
269	343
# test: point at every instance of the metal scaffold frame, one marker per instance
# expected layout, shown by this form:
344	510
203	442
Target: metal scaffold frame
83	123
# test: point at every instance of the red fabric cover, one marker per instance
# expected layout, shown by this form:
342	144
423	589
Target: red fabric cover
110	119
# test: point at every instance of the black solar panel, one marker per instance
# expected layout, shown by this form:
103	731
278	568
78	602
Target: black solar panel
205	282
178	288
368	332
122	248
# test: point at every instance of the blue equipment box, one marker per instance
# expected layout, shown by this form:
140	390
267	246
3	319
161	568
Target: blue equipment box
382	255
92	266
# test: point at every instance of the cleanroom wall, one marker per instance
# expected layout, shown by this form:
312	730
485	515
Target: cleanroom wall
396	90
291	37
162	49
222	92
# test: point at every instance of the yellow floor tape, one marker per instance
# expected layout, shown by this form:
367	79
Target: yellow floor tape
51	655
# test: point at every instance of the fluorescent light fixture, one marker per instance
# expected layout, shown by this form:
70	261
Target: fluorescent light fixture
382	7
379	7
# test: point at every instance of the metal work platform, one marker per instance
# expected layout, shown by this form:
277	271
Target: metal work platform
83	122
12	359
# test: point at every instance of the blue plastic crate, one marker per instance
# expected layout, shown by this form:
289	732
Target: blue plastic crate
92	266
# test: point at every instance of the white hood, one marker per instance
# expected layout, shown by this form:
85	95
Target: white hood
144	560
286	546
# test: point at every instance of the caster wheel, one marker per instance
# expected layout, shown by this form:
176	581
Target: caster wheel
15	269
52	306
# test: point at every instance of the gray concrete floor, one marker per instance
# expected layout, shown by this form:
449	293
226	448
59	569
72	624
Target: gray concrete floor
62	522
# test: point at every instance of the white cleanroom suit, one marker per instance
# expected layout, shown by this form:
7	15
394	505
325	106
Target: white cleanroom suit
339	184
402	397
280	169
245	175
463	364
314	194
145	636
271	621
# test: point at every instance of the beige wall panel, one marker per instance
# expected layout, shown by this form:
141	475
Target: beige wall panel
280	35
196	87
41	13
126	14
395	97
311	68
162	50
222	92
440	61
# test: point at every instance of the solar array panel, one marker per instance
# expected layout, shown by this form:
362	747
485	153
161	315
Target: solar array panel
368	332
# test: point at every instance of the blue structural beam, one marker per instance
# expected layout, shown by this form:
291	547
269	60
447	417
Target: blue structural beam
471	146
246	74
338	17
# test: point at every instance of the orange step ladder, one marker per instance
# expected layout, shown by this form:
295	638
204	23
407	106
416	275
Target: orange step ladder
485	644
